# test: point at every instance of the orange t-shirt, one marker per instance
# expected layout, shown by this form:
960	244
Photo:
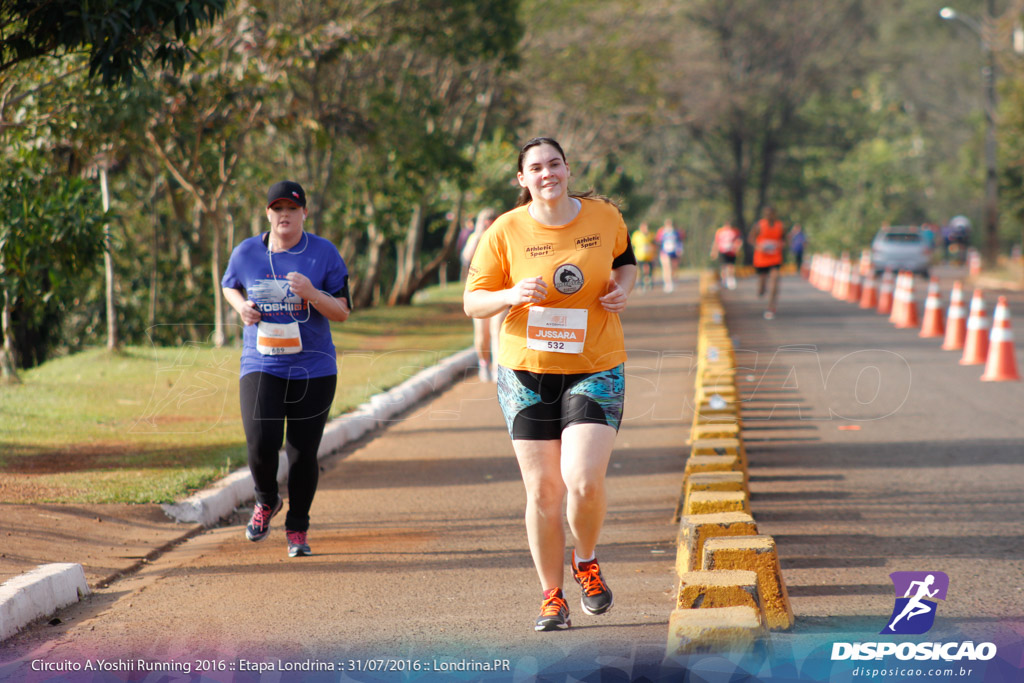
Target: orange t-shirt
768	246
575	261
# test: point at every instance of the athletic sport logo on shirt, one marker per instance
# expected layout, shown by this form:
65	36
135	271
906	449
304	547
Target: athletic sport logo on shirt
588	242
914	612
568	279
538	250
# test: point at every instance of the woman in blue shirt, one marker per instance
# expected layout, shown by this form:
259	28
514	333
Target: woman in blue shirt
286	285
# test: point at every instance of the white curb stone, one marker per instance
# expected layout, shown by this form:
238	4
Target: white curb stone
39	593
219	500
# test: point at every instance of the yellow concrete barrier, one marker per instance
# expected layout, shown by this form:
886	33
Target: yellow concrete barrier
723	588
716	481
724	390
709	481
716	430
731	589
713	630
716	447
712	463
695	530
714	502
757	554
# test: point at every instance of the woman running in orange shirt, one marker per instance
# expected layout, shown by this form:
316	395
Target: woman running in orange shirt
564	264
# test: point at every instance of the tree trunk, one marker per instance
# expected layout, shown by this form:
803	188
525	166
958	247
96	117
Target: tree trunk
415	278
425	274
408	256
154	272
8	356
188	279
230	331
218	297
363	293
366	288
108	265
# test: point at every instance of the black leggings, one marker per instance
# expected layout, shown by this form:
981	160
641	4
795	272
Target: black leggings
267	401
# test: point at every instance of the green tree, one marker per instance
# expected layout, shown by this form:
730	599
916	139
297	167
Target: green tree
50	236
200	133
386	105
118	37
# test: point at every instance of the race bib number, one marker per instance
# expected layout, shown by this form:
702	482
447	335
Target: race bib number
770	246
278	339
561	330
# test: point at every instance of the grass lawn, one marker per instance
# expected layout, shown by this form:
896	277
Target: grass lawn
148	425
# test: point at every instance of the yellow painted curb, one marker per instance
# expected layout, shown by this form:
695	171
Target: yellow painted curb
713	630
712	463
714	502
709	481
695	530
716	481
757	554
722	588
716	447
716	431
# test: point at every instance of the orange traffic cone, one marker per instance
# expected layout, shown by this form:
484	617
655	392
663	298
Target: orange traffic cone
853	293
833	274
910	318
1001	364
973	262
865	263
956	320
885	294
905	314
976	343
869	293
842	278
933	324
897	299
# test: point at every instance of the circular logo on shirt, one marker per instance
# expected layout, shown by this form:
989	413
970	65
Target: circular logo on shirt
568	279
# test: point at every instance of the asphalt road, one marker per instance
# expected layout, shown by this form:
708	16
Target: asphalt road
871	451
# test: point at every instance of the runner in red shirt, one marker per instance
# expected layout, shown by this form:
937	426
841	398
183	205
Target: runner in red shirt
769	239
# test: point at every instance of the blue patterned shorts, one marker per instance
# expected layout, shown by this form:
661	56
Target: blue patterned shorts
539	406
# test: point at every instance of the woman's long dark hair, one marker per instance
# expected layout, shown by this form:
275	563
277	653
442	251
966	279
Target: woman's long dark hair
524	194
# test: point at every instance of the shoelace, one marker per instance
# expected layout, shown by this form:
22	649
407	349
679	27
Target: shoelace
552	606
261	515
296	537
591	581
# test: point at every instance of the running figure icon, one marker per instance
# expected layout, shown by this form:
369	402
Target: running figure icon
916	606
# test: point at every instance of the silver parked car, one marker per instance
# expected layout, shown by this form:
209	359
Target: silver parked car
901	247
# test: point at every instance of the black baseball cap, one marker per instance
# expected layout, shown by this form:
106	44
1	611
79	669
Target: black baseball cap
286	189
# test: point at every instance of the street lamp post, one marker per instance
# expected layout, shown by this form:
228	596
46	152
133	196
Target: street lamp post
991	209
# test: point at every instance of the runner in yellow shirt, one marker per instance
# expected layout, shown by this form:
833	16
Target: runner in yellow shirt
564	264
646	250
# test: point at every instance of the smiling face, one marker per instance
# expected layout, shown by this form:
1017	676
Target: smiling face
286	219
545	173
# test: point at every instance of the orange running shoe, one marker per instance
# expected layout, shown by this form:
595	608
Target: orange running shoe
554	613
597	597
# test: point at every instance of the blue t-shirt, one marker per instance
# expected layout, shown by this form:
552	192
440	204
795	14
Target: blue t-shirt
796	243
262	276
